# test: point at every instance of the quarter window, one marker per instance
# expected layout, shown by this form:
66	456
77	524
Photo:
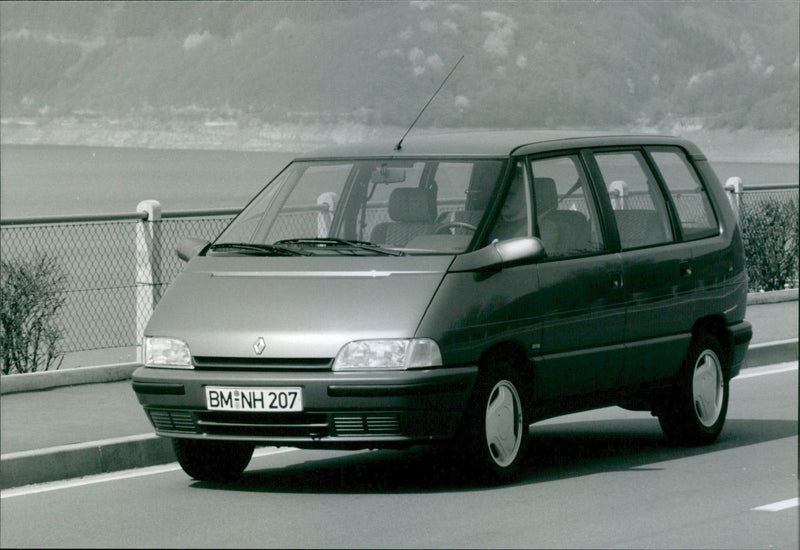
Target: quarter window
688	194
638	204
515	214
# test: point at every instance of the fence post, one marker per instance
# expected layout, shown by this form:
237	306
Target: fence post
148	266
325	217
733	186
617	190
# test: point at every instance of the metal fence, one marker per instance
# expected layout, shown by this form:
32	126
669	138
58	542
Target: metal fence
118	266
101	259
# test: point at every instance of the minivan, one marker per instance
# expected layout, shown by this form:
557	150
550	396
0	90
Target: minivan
453	289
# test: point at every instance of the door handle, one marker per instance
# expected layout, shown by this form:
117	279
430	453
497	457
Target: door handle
686	269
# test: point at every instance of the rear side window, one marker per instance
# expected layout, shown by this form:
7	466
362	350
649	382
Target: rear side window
638	204
688	194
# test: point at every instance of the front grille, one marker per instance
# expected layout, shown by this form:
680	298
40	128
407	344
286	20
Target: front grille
263	424
368	424
275	425
173	421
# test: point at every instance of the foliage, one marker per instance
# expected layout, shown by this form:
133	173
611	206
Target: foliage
33	290
726	64
770	234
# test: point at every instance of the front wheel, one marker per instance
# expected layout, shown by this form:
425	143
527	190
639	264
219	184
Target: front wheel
695	413
495	430
212	460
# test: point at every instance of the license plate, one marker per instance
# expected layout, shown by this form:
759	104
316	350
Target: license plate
254	399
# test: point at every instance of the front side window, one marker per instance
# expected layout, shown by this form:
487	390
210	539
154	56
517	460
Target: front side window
688	194
639	207
360	207
566	217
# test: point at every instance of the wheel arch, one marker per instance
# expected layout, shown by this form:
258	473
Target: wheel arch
714	325
512	353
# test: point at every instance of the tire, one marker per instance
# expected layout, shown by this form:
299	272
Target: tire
494	434
696	409
212	460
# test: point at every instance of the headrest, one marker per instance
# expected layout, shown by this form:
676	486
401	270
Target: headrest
546	195
412	204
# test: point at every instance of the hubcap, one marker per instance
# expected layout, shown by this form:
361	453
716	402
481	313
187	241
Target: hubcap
708	388
504	430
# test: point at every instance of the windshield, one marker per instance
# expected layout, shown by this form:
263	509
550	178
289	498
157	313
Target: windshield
366	207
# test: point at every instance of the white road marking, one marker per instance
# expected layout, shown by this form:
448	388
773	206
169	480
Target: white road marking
763	371
778	506
152	470
113	476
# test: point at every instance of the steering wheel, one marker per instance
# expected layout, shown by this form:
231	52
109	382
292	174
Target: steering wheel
450	225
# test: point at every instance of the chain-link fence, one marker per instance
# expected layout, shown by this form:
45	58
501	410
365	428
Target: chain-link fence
102	257
98	258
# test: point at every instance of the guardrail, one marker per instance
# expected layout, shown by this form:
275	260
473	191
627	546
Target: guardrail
118	265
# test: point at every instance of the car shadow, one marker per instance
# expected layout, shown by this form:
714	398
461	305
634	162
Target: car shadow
557	451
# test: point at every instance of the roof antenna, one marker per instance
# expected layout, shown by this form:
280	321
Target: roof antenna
400	143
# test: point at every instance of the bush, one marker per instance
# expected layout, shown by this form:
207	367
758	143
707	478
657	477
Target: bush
770	234
31	293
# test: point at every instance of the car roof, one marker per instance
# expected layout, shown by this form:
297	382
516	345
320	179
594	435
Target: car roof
492	143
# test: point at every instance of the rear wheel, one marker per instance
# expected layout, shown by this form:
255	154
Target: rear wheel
695	413
212	460
495	430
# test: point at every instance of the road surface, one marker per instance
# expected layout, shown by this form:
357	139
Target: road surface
603	479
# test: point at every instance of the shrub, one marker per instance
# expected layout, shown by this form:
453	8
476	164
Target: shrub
31	293
770	234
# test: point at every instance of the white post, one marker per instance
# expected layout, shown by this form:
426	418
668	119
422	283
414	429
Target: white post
148	266
324	219
617	190
733	186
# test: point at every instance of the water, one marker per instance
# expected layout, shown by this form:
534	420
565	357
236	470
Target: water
68	180
46	180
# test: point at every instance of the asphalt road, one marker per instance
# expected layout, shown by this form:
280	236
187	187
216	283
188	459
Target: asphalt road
604	479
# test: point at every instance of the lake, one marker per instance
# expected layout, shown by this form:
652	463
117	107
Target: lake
43	180
47	180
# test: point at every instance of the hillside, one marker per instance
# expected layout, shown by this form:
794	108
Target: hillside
170	65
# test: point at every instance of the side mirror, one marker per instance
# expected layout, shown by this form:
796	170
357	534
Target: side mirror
189	248
521	250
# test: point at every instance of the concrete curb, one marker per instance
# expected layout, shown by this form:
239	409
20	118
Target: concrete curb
768	353
83	459
16	383
772	297
140	451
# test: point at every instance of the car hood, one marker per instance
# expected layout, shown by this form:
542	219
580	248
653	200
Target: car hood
301	307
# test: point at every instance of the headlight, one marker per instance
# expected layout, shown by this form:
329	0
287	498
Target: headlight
388	355
168	353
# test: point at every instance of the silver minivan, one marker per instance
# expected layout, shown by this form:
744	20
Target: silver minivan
454	289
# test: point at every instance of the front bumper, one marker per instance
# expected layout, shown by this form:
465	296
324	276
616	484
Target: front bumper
341	410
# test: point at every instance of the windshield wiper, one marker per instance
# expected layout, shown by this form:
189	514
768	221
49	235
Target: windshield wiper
334	242
265	249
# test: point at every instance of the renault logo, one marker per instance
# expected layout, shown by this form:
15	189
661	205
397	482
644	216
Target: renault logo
259	346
